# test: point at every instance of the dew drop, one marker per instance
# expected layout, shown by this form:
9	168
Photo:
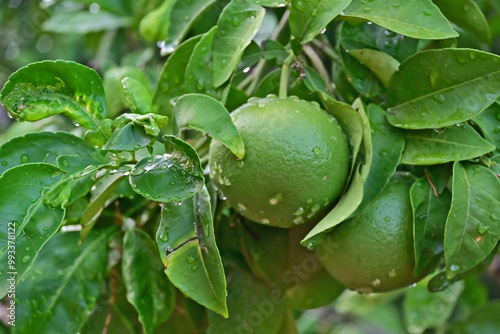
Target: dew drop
493	217
387	219
46	228
241	207
4	163
236	21
472	55
439	98
368	9
164	236
193	268
376	282
299	211
383	153
392	273
26	258
454	267
316	150
309	200
298	220
265	221
25	158
426	13
482	229
315	208
190	259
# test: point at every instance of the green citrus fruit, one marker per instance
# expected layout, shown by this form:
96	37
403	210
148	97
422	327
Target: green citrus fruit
373	252
296	161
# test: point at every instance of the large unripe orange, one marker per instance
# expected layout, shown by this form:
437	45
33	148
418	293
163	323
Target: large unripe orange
295	166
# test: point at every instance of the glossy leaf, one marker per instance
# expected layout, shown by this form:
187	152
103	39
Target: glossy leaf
313	80
148	289
254	306
353	194
199	73
171	83
182	17
64	284
47	88
137	95
437	88
206	114
489	123
104	191
151	123
425	310
360	76
387	143
380	63
238	23
309	18
270	3
417	19
174	176
127	138
155	24
472	229
84	22
26	219
429	212
43	147
186	242
457	142
372	36
467	15
349	120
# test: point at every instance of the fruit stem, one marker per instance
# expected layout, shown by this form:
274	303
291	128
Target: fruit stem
285	73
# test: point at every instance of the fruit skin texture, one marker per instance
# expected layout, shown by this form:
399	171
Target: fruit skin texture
296	161
373	252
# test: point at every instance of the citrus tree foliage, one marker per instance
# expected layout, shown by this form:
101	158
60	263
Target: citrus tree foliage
109	221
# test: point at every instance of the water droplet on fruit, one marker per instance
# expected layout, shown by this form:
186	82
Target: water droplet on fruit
298	220
241	207
315	208
392	273
25	158
387	219
299	211
316	150
265	221
376	282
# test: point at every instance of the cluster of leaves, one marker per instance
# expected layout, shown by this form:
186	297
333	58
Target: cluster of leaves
126	201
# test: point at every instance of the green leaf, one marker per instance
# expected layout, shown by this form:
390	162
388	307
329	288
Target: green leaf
127	138
360	76
425	310
467	15
254	306
388	143
489	123
148	289
104	192
353	194
380	63
186	242
206	114
43	147
84	22
174	176
47	88
472	229
309	18
437	88
171	83
152	123
349	120
457	142
155	24
137	95
199	74
416	19
238	23
429	212
313	80
371	36
270	3
182	17
64	284
27	220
